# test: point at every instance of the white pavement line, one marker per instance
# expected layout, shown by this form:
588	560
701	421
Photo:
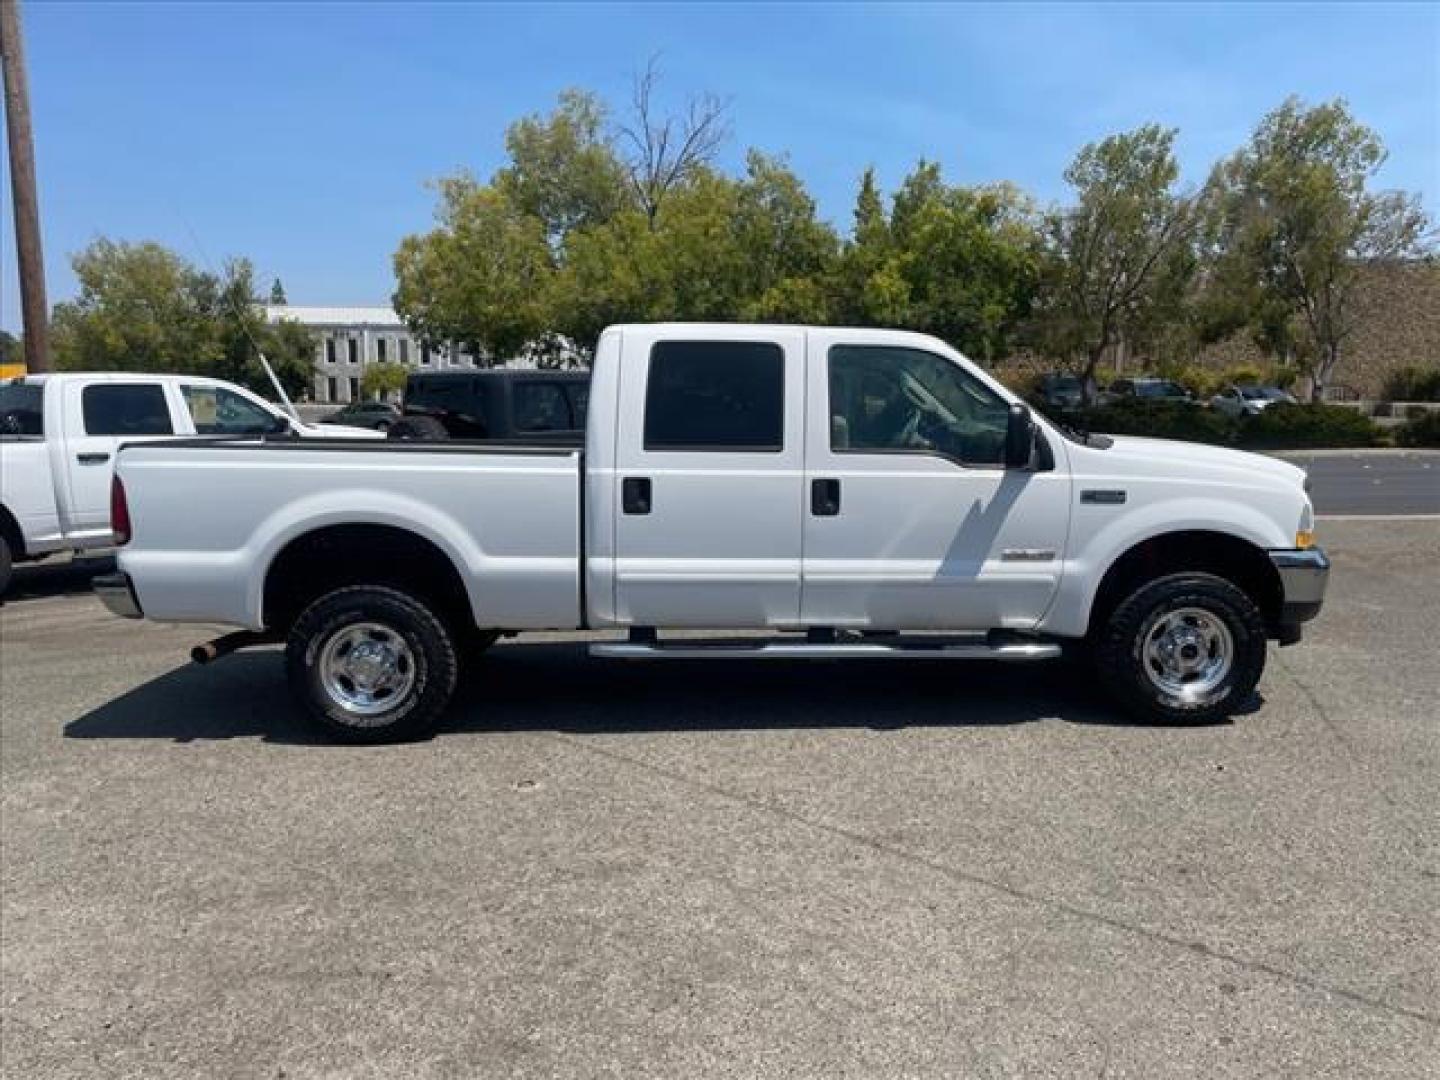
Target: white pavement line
1377	517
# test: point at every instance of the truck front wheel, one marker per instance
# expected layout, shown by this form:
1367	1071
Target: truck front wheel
371	664
1186	648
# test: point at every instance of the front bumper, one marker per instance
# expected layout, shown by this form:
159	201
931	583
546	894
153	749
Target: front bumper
117	594
1304	573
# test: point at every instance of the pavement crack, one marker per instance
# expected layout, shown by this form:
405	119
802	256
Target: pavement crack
1160	937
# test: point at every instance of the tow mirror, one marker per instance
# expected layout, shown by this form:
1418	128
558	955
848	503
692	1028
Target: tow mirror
1019	438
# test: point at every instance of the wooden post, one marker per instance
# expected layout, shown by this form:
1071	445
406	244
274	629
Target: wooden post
34	310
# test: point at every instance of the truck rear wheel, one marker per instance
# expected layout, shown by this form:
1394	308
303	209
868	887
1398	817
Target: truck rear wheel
371	664
5	565
1183	649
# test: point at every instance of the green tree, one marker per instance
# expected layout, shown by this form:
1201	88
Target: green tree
784	249
12	350
1292	224
381	380
1118	261
958	262
277	292
141	307
482	276
564	169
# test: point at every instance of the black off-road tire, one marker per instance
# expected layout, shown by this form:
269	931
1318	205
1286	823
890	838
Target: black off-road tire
430	649
1119	648
419	429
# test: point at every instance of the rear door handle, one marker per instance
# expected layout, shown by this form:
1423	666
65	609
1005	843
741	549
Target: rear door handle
92	459
825	498
635	494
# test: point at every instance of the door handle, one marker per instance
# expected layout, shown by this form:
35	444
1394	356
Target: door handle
635	494
92	459
825	498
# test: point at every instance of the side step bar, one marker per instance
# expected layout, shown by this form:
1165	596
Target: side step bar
859	650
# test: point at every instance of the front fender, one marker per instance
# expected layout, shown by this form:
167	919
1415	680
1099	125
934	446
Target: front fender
1097	544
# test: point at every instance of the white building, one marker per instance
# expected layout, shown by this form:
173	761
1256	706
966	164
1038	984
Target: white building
349	338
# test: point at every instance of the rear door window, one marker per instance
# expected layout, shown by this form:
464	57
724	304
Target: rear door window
22	409
123	409
715	396
542	406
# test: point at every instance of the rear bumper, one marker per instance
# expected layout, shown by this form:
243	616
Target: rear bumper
117	594
1304	574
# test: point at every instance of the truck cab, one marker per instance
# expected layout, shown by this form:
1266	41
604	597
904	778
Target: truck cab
795	478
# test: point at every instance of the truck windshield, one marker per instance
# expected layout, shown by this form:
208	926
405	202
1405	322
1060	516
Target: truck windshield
22	410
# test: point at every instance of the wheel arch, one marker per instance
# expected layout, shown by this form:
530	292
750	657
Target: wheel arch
342	554
1223	554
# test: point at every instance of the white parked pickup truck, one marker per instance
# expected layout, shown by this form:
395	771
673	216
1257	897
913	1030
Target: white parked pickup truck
858	494
59	434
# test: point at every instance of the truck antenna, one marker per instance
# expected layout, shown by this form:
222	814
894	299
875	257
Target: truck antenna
245	327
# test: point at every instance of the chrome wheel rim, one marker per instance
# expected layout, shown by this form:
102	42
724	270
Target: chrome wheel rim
366	669
1188	653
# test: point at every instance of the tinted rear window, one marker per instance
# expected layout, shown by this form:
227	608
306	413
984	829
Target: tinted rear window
126	409
463	396
715	395
22	409
542	406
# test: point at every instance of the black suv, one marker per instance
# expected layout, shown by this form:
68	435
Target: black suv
494	404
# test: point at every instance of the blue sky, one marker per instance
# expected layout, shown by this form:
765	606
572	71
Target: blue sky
301	135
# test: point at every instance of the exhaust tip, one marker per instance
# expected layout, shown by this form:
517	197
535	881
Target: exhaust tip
203	654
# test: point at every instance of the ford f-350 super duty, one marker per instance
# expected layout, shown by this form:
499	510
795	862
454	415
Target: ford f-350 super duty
853	494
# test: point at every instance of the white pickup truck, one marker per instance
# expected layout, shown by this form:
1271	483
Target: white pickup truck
860	494
59	434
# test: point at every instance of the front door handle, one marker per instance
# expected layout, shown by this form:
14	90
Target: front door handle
825	498
635	494
92	459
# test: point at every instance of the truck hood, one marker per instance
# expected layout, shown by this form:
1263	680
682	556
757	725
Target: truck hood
1172	456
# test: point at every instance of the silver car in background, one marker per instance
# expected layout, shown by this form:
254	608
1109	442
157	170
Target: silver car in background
1249	400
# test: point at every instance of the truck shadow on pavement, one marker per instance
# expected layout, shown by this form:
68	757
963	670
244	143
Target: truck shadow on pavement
556	687
56	577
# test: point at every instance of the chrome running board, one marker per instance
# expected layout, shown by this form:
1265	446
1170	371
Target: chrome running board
697	649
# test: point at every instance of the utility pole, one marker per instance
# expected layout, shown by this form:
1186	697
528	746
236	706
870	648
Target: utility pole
33	308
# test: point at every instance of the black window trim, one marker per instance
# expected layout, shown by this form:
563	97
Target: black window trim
651	447
1045	454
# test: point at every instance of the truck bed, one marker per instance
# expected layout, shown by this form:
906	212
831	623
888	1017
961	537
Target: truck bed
208	516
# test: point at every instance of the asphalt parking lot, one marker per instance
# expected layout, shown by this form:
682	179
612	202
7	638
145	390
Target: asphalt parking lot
1372	482
749	871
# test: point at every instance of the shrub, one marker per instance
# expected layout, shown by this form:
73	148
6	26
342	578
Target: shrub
1412	383
1023	383
1161	420
1301	427
1422	432
1295	427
